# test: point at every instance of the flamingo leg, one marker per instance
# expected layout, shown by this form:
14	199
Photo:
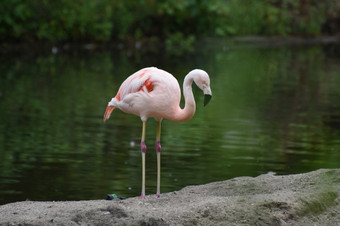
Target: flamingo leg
143	150
158	150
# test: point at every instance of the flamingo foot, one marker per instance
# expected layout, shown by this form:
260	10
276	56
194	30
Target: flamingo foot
142	196
158	195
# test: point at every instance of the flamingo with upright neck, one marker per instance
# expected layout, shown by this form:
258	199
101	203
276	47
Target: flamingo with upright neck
152	92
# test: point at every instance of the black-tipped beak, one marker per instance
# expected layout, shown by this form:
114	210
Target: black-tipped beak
207	98
207	95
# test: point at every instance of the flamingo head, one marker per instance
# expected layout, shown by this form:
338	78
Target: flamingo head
202	80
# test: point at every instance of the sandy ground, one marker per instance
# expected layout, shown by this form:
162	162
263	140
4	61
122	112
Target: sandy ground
303	199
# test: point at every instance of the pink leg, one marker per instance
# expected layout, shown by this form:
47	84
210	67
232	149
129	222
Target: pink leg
158	146
143	150
143	147
158	150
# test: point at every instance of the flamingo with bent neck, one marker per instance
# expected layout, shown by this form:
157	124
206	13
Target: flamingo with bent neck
152	92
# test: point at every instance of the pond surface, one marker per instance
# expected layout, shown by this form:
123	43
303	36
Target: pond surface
275	108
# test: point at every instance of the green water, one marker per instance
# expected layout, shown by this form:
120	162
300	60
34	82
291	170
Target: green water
275	108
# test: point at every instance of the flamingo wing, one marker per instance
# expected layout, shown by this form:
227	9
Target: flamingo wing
137	82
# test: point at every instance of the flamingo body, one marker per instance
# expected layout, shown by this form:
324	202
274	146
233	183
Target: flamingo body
152	92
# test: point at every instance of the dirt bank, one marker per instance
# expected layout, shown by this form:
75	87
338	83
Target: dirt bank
303	199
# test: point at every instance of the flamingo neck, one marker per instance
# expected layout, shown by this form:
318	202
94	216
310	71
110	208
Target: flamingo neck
190	106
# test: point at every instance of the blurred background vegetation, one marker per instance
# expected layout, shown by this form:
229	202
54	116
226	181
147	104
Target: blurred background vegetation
169	21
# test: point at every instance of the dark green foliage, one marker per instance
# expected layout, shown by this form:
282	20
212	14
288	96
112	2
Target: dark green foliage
105	20
55	20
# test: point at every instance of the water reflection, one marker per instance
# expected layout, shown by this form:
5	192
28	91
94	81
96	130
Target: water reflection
275	109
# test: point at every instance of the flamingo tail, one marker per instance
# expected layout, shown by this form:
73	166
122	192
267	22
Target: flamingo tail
108	112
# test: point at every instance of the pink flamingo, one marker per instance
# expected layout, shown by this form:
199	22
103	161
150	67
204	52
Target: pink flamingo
152	92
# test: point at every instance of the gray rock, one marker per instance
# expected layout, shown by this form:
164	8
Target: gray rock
302	199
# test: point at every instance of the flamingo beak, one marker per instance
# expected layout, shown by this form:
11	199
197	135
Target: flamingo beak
207	95
108	112
207	99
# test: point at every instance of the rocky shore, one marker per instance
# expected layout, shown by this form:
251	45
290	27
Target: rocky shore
303	199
